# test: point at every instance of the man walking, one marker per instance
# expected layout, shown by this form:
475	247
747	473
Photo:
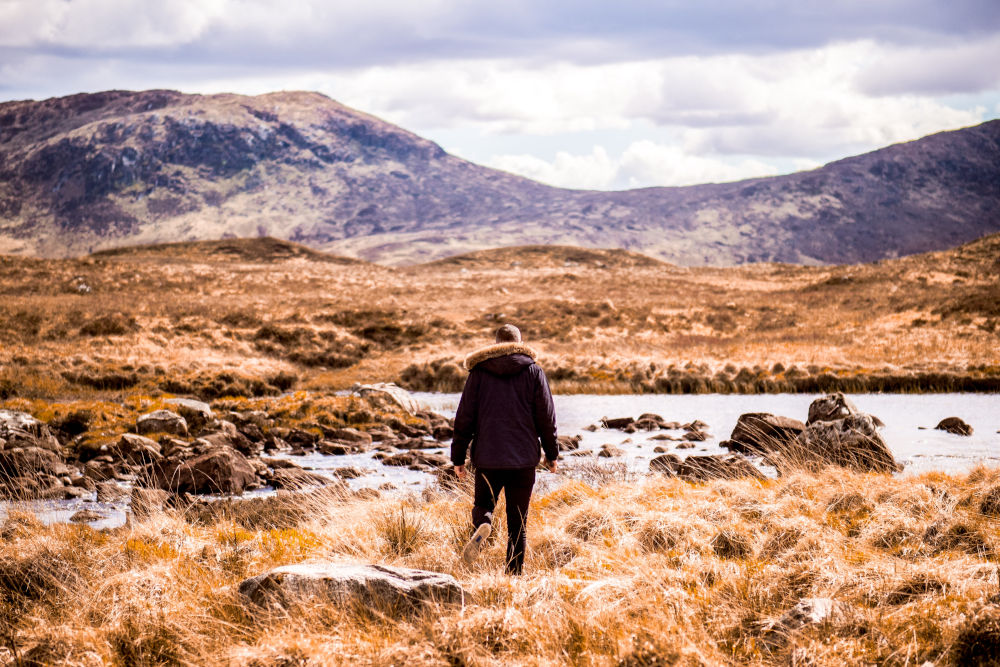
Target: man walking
505	410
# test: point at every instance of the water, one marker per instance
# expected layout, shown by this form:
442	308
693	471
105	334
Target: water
919	450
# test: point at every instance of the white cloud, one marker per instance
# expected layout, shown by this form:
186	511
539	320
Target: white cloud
642	164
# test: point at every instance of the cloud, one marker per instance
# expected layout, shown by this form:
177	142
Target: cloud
965	67
641	164
343	34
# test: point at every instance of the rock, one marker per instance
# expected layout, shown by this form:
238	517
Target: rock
31	462
387	394
416	457
666	463
664	436
568	443
295	479
954	425
19	429
381	432
762	433
389	590
696	425
161	421
234	439
219	470
331	448
109	492
86	516
143	501
617	423
660	449
591	428
852	442
99	471
136	449
444	432
696	436
196	413
351	435
831	408
609	451
647	424
686	445
349	472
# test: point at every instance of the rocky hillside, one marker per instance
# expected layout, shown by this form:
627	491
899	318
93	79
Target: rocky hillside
88	172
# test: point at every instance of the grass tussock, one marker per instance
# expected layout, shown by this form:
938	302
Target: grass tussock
648	571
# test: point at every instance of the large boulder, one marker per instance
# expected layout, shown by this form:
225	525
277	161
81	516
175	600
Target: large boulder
831	408
852	442
762	433
136	449
954	425
19	429
31	462
219	470
388	590
195	413
161	421
387	394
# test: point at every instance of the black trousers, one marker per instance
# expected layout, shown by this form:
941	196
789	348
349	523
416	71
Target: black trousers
517	485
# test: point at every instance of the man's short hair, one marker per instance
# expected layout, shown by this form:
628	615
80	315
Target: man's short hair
508	333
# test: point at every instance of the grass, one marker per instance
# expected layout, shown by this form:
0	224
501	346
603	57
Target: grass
648	571
258	318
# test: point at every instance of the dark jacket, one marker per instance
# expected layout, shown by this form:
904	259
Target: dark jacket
505	410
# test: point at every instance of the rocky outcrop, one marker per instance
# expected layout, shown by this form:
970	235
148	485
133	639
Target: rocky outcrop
136	449
219	470
387	394
568	443
852	442
831	408
161	421
762	433
196	413
954	425
19	429
389	590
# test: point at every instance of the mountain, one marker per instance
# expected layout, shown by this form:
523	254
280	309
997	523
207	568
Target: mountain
95	171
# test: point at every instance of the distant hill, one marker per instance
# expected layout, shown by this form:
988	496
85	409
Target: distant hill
255	250
89	172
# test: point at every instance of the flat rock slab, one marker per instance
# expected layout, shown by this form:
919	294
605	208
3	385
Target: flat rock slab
387	589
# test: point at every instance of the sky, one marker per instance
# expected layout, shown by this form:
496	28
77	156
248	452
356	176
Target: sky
576	93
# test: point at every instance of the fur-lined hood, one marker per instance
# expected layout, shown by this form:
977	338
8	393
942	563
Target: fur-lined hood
498	350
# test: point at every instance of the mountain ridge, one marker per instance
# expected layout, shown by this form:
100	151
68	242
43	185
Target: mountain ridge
93	171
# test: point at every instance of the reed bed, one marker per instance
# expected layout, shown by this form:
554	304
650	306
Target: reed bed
622	570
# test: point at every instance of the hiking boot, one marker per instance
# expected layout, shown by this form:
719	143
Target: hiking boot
472	547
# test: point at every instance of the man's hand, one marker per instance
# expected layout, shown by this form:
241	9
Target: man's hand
460	472
550	465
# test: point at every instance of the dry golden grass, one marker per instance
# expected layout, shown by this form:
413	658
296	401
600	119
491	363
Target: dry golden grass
254	316
650	572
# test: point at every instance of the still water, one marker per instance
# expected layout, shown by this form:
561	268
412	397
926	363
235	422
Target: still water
909	432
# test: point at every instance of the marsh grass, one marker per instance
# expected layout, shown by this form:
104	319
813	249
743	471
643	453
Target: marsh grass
191	320
647	571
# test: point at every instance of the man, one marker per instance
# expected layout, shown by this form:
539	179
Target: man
505	410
